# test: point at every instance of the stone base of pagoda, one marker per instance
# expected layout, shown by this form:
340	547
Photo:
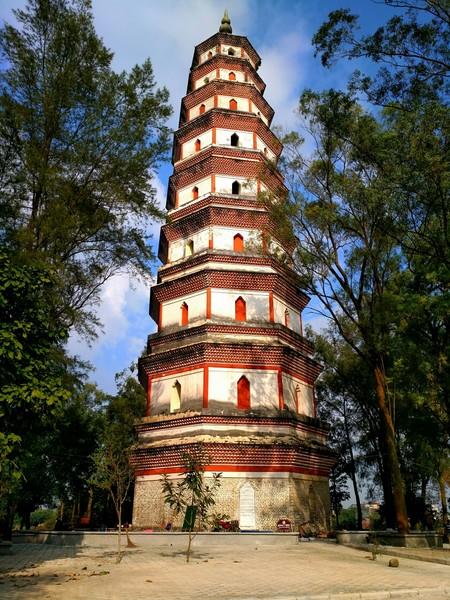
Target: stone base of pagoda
257	500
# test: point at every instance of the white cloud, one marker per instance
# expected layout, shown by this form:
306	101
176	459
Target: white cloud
167	32
283	71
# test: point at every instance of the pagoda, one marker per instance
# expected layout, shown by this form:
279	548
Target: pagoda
229	368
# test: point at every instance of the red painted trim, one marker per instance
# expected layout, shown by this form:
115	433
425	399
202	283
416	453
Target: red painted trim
213	135
249	105
149	395
211	240
241	468
217	73
208	303
216	101
237	366
177	199
280	389
160	316
271	308
213	183
255	145
258	186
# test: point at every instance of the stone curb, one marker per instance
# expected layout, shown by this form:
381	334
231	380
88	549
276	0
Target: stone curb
420	593
390	551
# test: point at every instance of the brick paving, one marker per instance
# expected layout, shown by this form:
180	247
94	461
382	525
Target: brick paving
308	570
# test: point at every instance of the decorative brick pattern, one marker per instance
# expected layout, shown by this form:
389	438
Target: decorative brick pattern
234	280
215	215
214	200
228	40
223	118
300	424
239	355
214	161
298	499
223	61
218	87
238	259
278	331
232	457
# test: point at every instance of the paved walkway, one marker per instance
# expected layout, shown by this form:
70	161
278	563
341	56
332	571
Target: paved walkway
308	570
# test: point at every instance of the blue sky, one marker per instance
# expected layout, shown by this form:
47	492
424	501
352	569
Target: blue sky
167	31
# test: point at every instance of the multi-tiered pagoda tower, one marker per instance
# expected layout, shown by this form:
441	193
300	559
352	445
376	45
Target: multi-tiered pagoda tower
229	367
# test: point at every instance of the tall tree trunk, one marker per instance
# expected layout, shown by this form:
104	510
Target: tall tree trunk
389	512
119	533
353	469
89	505
443	495
392	463
423	488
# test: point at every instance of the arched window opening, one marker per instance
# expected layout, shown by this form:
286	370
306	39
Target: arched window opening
210	54
189	249
238	243
231	51
243	393
195	193
232	76
240	308
265	150
287	317
233	104
202	109
184	314
198	145
175	397
236	187
235	139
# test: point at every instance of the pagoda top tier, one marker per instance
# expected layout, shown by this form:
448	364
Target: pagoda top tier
225	37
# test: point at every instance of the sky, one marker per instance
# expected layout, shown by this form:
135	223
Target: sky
167	31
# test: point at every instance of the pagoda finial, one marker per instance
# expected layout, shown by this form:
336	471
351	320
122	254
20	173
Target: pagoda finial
225	26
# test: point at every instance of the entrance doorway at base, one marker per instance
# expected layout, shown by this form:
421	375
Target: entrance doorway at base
247	518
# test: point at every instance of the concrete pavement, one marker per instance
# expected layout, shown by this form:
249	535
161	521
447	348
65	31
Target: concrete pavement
314	571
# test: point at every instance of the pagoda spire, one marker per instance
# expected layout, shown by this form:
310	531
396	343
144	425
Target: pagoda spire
225	25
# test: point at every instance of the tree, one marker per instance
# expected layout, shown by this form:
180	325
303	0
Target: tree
340	210
413	81
412	48
113	473
192	495
112	469
338	492
32	364
78	145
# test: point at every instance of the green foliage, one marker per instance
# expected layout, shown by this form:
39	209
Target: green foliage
112	470
32	367
78	143
44	518
412	49
193	493
348	519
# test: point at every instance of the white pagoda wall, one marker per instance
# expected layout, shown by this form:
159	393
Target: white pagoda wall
306	396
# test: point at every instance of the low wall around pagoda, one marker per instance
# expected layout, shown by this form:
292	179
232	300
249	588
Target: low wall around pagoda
295	497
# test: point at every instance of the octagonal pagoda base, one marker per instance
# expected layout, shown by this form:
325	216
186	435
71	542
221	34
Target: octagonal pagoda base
272	467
